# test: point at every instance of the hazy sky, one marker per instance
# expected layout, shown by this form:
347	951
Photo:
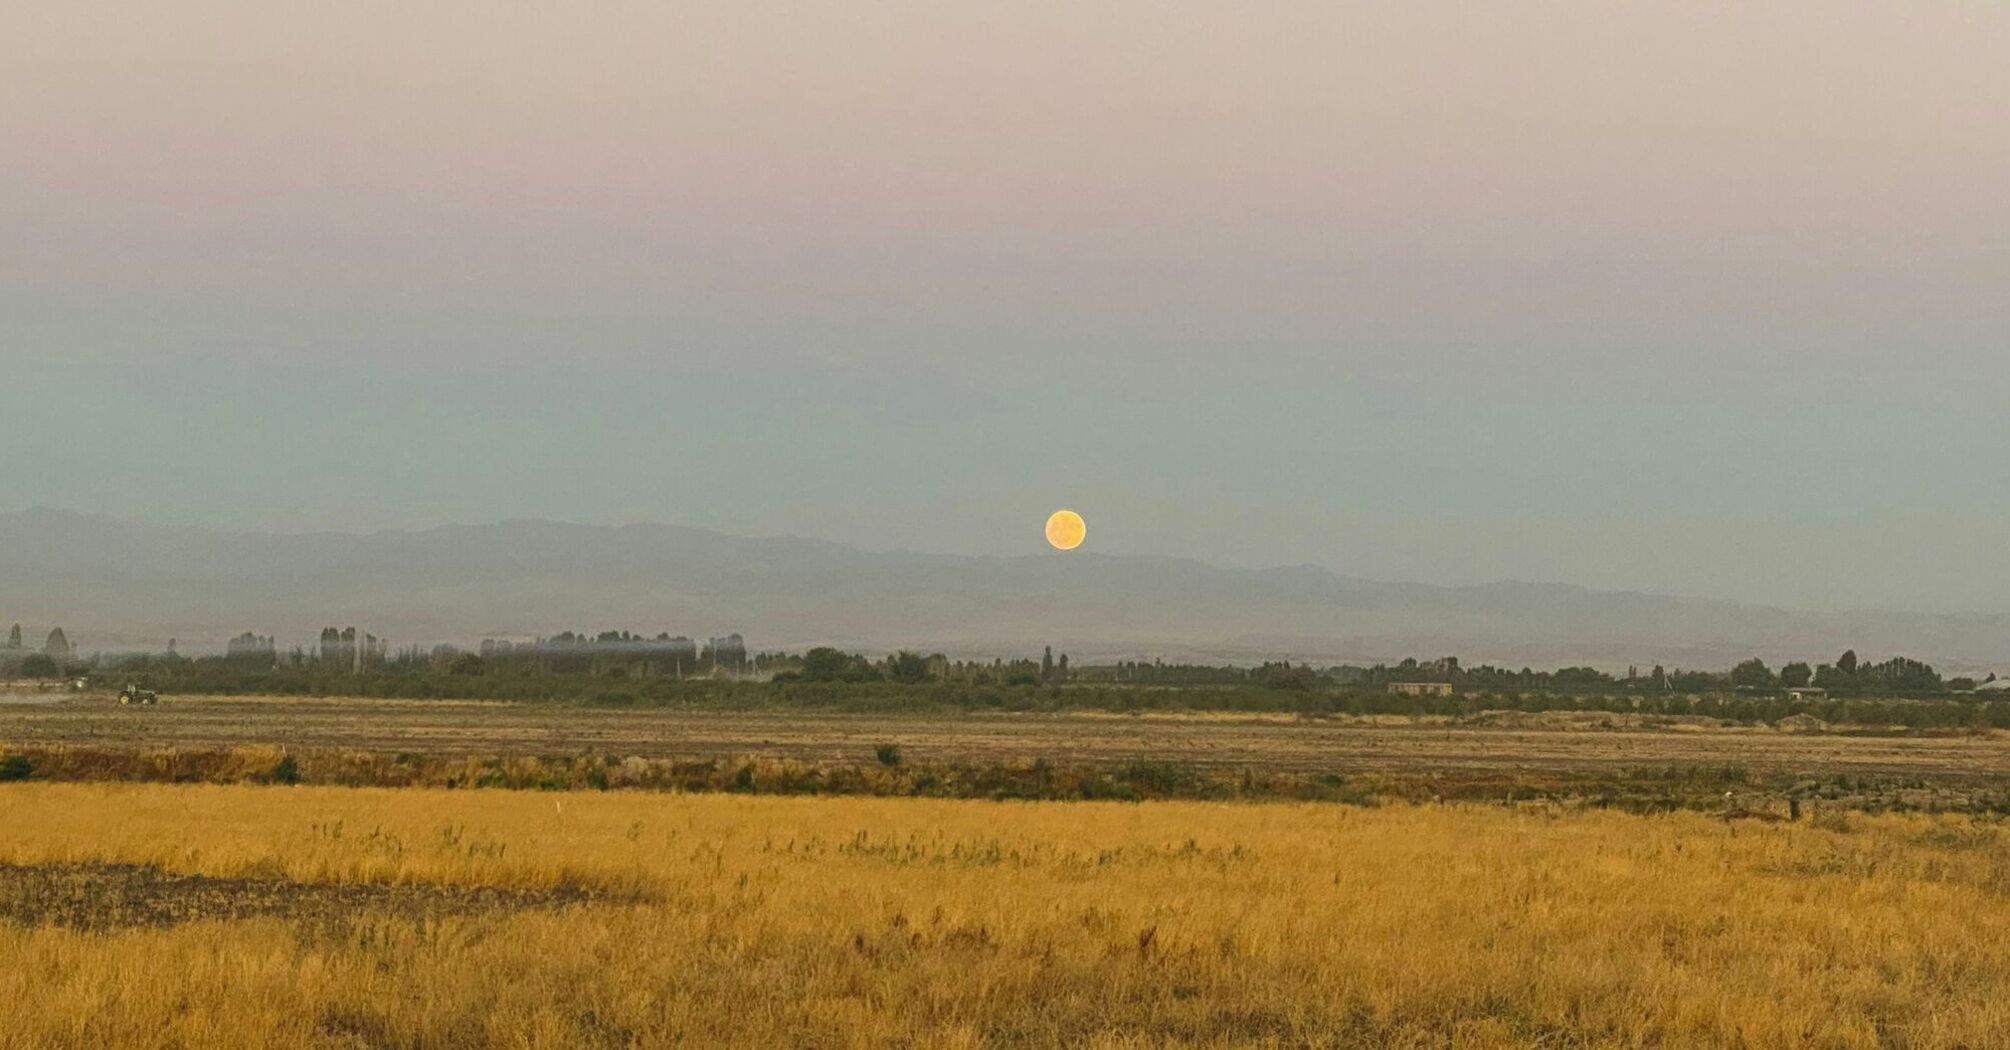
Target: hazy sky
1700	298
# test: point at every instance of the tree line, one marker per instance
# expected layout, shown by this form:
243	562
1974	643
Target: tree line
254	664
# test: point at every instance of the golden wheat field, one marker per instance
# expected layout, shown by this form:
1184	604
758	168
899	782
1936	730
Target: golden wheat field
238	916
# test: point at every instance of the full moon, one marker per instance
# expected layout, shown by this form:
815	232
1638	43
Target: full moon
1066	530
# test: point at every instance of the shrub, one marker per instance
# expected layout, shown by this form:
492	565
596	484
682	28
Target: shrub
1158	778
468	664
39	665
888	754
16	767
284	771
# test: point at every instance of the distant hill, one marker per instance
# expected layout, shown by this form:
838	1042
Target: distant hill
117	584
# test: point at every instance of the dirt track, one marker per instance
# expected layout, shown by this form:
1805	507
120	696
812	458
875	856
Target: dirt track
1282	744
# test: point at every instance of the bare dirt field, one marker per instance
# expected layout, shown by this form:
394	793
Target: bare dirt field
1275	743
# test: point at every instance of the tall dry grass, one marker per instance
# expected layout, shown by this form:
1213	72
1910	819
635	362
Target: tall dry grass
879	922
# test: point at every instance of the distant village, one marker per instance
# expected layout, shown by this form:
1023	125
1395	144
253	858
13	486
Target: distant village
348	649
56	653
625	654
616	654
676	655
664	654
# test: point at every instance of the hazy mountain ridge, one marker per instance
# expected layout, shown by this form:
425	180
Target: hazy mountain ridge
115	583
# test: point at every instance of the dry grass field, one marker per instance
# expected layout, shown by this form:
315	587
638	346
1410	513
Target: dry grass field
1631	762
1272	742
238	916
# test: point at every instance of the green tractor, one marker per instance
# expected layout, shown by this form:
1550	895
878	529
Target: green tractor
133	694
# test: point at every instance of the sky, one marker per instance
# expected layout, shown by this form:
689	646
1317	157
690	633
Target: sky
1694	298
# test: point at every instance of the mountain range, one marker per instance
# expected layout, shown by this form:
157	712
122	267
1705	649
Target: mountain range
120	585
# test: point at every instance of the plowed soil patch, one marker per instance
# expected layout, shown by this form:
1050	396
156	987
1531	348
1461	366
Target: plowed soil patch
121	896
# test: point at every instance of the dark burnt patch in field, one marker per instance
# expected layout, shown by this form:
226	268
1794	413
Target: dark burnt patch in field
101	897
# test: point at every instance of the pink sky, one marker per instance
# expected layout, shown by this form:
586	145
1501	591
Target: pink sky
200	145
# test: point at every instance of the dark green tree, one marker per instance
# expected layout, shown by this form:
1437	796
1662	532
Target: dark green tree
467	664
908	668
1795	675
1900	675
1752	674
824	664
39	665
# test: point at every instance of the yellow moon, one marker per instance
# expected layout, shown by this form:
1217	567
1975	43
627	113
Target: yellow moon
1066	530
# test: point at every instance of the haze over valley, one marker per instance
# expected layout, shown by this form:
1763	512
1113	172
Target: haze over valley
123	585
